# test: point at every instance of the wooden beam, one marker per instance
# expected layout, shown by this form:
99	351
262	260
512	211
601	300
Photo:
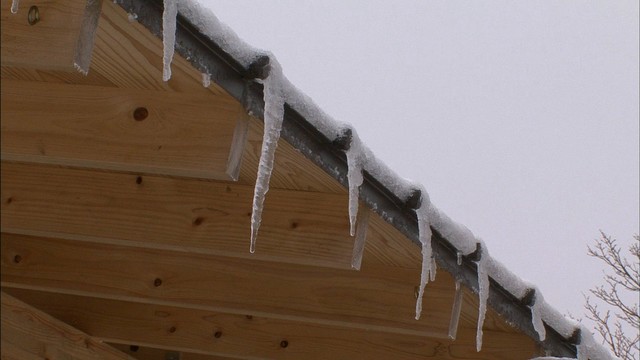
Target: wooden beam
178	214
192	331
132	130
149	353
30	333
61	39
375	298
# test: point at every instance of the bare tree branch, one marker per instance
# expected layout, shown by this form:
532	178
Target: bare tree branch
621	332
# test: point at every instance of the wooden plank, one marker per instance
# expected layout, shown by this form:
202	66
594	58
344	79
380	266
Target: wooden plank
131	57
174	213
292	170
51	43
195	331
199	331
149	353
125	55
89	126
30	333
379	298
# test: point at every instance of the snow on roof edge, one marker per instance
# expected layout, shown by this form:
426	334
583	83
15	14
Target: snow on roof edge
462	238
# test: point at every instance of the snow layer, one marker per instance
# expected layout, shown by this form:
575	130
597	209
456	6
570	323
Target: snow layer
589	349
169	18
457	234
203	19
273	116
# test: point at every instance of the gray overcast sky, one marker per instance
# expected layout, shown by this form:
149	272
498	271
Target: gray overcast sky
520	117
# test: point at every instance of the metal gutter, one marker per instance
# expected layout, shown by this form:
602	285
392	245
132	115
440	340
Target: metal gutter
228	73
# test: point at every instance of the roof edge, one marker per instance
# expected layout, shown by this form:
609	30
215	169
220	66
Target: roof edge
230	73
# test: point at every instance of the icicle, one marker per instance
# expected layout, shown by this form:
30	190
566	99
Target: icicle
361	237
206	80
354	175
483	294
424	230
14	6
459	258
434	268
132	17
455	312
168	36
273	115
536	316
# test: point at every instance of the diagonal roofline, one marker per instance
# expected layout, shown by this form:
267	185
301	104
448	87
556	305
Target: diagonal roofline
237	77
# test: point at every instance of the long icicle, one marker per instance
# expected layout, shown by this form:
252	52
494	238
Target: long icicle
354	175
273	116
483	294
424	229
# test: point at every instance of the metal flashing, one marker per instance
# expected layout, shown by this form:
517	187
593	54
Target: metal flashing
229	74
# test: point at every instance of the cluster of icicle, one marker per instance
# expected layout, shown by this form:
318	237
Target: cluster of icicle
276	90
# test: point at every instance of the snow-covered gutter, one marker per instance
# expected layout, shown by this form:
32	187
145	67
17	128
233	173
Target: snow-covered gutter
244	73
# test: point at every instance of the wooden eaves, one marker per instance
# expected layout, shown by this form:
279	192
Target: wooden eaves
126	204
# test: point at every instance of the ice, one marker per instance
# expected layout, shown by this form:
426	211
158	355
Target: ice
206	80
483	293
536	316
132	17
273	116
354	175
455	312
361	237
459	254
85	42
458	235
14	6
424	230
169	17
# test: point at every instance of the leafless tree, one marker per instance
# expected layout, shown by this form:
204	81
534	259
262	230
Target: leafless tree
617	320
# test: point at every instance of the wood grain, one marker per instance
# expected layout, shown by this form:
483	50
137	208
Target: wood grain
174	213
379	299
28	333
89	126
150	353
221	334
50	43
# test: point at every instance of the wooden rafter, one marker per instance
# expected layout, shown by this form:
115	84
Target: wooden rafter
174	213
222	334
136	231
28	333
379	298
